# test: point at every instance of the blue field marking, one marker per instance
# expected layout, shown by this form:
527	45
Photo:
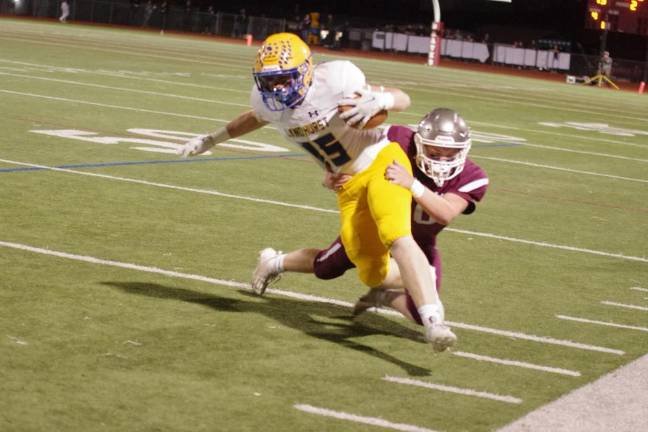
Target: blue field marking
151	162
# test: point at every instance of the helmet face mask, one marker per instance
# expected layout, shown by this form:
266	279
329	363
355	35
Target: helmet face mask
283	71
442	144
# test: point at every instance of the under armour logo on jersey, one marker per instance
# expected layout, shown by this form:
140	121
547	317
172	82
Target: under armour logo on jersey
313	113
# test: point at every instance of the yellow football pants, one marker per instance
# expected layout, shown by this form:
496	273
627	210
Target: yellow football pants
374	213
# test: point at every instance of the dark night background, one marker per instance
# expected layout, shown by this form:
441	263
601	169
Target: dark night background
524	20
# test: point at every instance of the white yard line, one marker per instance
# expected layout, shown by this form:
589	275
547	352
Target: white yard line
452	389
147	51
623	305
36	65
118	74
615	402
603	323
516	363
639	289
549	245
306	297
174	58
173	187
589	153
311	208
130	90
536	165
142	110
181	115
533	338
221	102
372	421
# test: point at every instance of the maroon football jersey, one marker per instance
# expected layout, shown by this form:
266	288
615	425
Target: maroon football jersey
470	184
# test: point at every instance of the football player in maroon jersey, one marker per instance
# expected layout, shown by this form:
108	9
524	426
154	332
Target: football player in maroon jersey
445	184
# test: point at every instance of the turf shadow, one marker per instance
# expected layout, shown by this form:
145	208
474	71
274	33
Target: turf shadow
327	322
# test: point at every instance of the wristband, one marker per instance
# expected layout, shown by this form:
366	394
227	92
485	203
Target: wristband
221	135
417	189
386	99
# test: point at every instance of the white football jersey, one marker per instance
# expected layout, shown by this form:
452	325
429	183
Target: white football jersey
315	125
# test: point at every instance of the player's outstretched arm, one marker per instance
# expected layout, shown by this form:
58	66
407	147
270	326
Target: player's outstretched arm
401	99
241	125
442	208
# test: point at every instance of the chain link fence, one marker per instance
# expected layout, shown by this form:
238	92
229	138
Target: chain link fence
150	15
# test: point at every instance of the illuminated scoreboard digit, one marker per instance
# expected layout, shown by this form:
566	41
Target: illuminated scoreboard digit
626	16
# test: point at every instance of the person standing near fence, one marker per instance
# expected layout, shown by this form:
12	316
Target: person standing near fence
605	65
65	11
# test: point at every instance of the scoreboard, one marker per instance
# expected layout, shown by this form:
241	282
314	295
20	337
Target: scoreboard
625	16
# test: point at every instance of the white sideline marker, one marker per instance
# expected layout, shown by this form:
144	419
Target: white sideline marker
452	389
603	323
373	421
300	296
639	289
516	363
623	305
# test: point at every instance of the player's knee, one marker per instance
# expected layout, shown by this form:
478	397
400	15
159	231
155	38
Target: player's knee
327	272
330	266
391	233
374	274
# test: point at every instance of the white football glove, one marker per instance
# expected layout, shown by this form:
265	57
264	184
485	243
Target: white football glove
365	106
196	146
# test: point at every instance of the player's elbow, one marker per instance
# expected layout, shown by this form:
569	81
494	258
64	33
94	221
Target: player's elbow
443	217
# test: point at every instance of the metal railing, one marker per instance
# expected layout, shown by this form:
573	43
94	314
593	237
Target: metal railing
150	15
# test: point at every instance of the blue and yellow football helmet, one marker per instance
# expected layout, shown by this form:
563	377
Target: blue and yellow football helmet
283	71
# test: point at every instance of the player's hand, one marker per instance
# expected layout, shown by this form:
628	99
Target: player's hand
195	146
398	174
335	181
365	106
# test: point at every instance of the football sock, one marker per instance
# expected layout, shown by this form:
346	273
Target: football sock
431	313
278	262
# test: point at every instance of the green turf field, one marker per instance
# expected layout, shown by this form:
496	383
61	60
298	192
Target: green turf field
124	270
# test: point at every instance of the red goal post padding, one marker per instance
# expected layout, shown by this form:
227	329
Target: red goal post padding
434	55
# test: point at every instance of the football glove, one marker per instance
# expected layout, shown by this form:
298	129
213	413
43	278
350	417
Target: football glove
365	106
196	146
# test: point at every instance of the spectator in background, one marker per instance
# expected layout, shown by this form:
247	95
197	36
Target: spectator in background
65	11
314	30
605	65
164	10
148	11
555	58
210	20
328	25
240	24
305	27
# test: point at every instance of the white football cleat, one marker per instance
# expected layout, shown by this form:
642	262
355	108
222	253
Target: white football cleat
266	271
440	336
375	298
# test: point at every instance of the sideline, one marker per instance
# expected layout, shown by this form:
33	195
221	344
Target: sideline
616	402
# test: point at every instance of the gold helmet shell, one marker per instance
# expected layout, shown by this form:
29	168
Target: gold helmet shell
283	71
